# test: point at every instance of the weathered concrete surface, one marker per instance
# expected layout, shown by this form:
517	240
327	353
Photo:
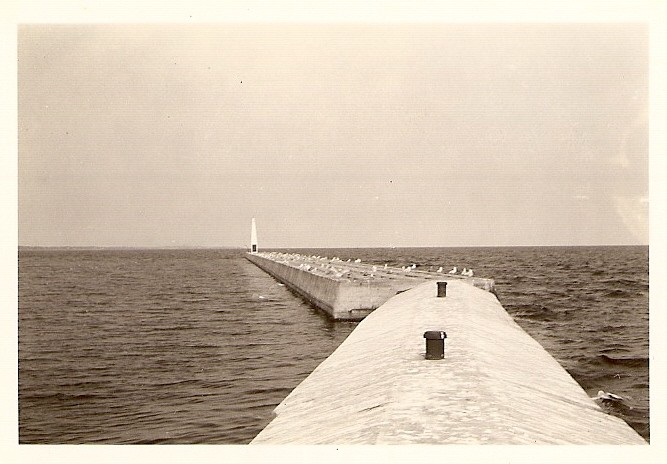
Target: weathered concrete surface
345	290
496	384
342	299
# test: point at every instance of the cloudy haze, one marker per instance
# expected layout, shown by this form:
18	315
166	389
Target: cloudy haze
451	135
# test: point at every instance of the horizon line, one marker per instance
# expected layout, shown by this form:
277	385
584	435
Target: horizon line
236	247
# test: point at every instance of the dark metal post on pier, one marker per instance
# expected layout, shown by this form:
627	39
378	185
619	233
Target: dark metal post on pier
442	289
435	344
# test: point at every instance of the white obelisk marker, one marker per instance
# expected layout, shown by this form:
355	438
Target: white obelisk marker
253	238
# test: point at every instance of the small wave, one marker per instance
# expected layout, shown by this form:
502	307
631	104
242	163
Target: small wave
200	345
623	361
539	313
622	281
615	348
617	293
58	396
174	328
176	382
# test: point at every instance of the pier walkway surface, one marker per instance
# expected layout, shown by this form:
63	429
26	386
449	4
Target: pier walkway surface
495	385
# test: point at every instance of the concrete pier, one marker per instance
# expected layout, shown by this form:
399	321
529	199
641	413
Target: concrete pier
495	385
346	290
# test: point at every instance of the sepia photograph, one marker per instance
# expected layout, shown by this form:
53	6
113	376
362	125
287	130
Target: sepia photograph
334	232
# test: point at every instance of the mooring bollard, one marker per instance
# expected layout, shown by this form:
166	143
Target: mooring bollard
435	344
442	289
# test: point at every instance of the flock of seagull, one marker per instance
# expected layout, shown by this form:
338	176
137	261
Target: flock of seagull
464	272
338	268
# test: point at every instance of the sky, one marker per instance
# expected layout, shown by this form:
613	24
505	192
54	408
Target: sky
338	135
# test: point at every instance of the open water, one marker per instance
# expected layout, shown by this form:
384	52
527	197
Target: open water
199	345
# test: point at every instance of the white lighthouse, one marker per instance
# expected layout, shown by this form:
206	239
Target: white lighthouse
253	237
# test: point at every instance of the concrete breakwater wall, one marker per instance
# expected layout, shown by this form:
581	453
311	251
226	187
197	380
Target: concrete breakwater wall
341	299
346	290
495	385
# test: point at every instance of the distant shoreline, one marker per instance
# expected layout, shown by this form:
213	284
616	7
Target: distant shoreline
84	247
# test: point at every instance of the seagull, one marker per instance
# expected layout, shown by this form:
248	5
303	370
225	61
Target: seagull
608	396
357	260
470	273
414	266
439	269
464	271
453	271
